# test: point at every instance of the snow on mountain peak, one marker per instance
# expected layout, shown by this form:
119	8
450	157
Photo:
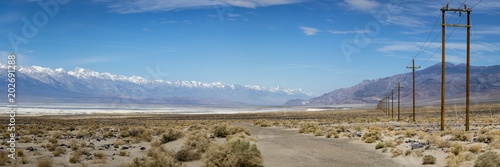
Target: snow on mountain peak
41	73
60	70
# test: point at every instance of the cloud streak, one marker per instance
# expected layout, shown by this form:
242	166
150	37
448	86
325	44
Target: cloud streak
139	6
349	32
309	31
362	5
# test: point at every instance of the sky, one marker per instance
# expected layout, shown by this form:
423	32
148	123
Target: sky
315	45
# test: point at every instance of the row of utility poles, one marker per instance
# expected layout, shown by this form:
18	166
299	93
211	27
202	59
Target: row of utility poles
389	98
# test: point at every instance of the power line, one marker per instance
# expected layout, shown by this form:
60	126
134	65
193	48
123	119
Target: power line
476	3
448	37
420	51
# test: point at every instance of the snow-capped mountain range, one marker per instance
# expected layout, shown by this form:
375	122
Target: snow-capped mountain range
40	84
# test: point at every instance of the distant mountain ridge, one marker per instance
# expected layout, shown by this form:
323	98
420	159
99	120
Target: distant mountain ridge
485	83
39	84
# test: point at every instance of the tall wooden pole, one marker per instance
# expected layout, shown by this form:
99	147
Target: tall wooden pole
413	68
467	91
392	101
443	64
399	100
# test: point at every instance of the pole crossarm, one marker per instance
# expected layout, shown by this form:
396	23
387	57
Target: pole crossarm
458	25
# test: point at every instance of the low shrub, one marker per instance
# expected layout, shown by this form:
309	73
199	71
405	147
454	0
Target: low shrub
456	148
407	152
309	127
460	135
379	145
224	130
488	159
123	153
233	153
44	162
53	140
3	158
171	135
164	161
396	152
371	136
195	144
59	151
476	148
428	159
100	157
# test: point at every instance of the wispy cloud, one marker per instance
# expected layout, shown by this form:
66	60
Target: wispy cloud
309	31
233	15
459	46
160	22
487	30
406	21
138	6
403	46
362	5
349	32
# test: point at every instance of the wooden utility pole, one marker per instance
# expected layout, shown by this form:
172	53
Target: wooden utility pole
413	67
443	63
392	101
387	103
467	89
399	99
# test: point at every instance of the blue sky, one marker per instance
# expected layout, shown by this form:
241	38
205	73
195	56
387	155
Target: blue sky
315	45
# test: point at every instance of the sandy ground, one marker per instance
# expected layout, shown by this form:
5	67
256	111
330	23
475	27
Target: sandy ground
281	147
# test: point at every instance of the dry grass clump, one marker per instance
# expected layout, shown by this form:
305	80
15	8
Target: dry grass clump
428	159
20	153
74	145
171	135
123	153
3	158
475	148
379	145
53	140
460	135
262	123
195	144
456	160
410	132
163	161
59	151
435	139
309	127
100	157
371	136
319	132
456	148
45	162
139	134
224	130
396	152
233	153
488	159
76	155
331	132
